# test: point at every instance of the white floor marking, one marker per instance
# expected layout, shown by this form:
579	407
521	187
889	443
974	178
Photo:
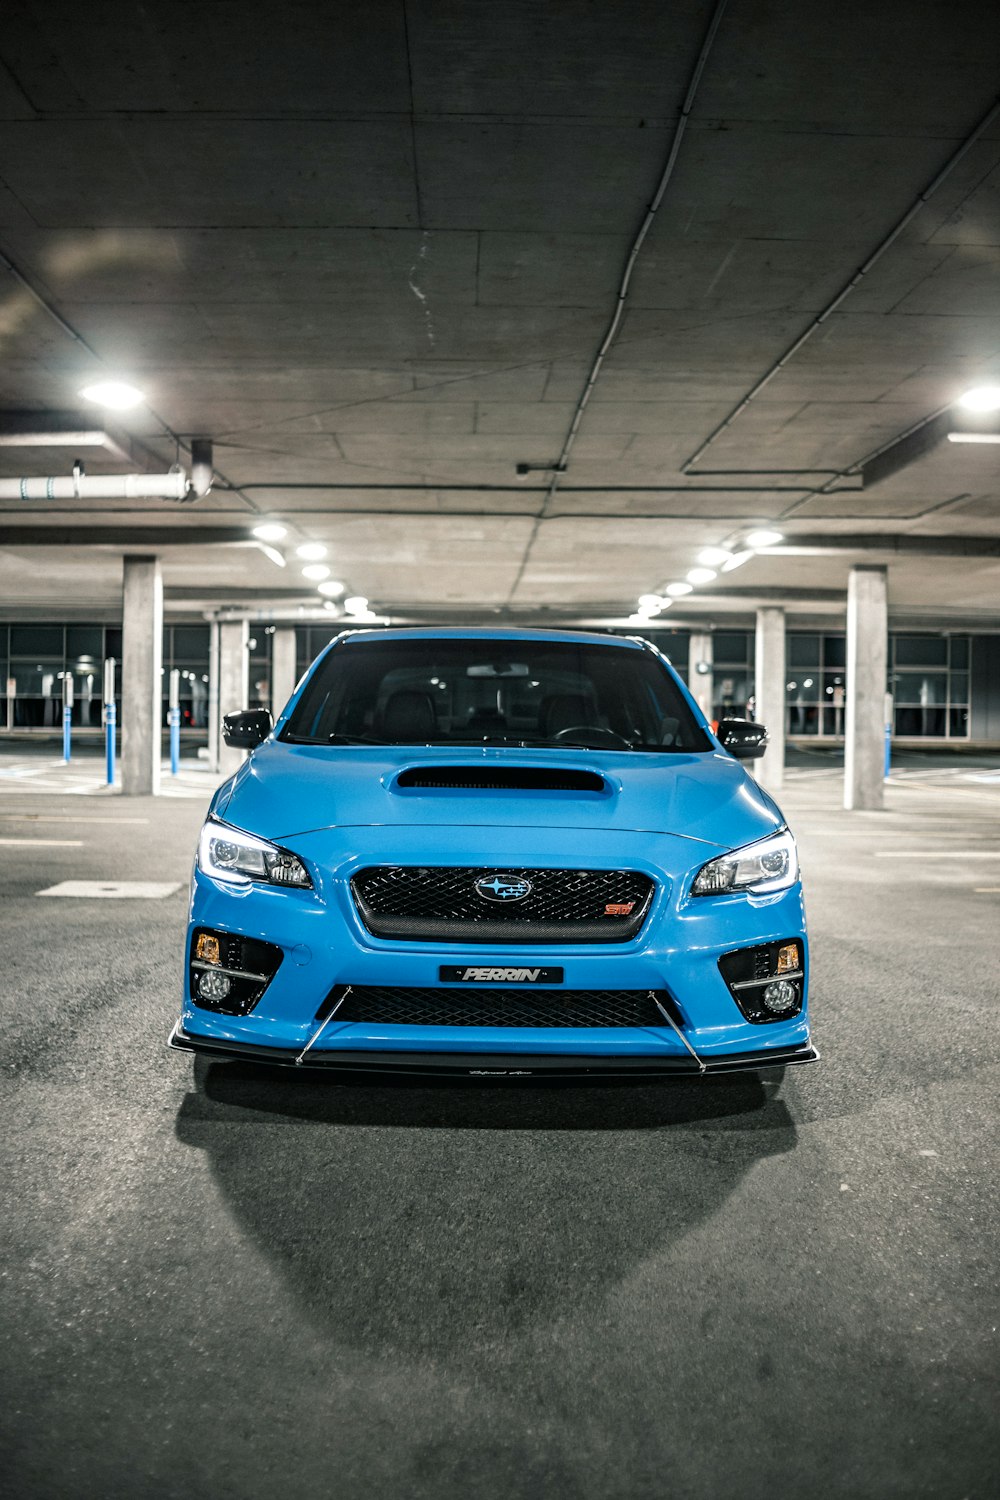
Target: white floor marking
104	890
70	817
986	890
937	853
45	843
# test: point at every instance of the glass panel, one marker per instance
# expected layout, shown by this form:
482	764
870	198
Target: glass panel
958	687
730	647
958	723
835	651
960	651
113	642
803	650
37	640
191	641
39	679
921	651
922	688
732	689
919	721
85	640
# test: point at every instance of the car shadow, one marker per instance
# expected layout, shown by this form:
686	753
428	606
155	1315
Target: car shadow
426	1216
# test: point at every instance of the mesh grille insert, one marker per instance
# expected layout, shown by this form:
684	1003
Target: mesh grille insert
479	1006
500	779
563	906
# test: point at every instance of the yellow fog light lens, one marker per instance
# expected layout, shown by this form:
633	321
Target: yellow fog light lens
207	948
788	958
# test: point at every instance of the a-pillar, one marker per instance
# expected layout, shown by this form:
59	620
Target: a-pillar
282	667
142	688
769	679
233	687
867	650
700	680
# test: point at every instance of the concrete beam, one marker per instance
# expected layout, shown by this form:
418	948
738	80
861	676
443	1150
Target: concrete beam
142	688
769	693
867	653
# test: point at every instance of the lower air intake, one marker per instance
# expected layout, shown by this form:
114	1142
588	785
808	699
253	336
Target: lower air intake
501	1007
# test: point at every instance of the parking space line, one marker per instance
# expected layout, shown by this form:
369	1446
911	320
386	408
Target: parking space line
45	843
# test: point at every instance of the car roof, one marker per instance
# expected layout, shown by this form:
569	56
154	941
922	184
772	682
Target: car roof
492	633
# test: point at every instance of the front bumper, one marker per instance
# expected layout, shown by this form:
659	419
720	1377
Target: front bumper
493	1065
324	944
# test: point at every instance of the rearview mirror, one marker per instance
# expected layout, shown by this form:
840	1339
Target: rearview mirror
744	739
246	729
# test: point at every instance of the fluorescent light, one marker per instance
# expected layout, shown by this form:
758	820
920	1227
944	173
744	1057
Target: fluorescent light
273	555
270	532
981	398
357	604
701	575
764	538
678	590
737	560
311	552
974	437
651	603
332	588
315	571
114	393
712	557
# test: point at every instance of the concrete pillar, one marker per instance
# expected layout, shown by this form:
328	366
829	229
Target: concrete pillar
770	680
234	685
142	658
282	667
700	679
213	696
867	649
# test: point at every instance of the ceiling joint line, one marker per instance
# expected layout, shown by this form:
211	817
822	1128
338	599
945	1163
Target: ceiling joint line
876	255
611	333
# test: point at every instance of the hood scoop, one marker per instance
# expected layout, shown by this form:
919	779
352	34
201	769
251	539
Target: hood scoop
500	779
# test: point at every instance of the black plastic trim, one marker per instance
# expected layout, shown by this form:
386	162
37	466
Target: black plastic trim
487	1065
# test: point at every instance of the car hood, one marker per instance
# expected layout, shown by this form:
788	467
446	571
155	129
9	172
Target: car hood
283	790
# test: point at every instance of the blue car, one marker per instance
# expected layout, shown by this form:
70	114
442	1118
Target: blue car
496	853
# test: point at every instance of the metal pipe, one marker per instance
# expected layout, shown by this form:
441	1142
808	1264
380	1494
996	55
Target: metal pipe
170	486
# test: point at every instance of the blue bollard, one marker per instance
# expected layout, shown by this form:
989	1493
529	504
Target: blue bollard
888	749
110	719
67	733
174	717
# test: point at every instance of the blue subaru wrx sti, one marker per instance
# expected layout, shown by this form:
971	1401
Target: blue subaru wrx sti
496	852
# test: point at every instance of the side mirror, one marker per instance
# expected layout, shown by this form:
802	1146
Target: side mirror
246	729
744	739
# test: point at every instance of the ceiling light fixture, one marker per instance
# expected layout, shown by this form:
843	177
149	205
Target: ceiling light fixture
980	398
678	590
701	575
332	588
651	603
311	551
764	538
270	531
737	560
116	394
712	557
357	604
315	571
974	437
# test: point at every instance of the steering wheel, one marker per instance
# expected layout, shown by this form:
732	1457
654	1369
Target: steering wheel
587	731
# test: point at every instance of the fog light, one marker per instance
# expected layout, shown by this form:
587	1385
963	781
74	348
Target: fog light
788	958
213	986
780	997
207	948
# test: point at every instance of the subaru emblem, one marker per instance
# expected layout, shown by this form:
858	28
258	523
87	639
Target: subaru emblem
503	887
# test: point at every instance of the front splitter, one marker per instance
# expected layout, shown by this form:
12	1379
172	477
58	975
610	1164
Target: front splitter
491	1065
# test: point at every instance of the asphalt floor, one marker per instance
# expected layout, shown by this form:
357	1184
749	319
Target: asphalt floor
227	1282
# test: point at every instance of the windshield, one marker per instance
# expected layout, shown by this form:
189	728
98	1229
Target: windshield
497	692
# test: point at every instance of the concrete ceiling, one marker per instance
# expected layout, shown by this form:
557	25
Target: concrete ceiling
372	251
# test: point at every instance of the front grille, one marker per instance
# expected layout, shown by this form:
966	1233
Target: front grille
442	902
500	1007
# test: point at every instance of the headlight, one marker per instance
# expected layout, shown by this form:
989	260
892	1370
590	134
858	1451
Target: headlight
229	854
770	865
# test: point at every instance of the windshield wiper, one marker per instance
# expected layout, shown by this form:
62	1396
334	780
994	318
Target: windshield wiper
332	739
